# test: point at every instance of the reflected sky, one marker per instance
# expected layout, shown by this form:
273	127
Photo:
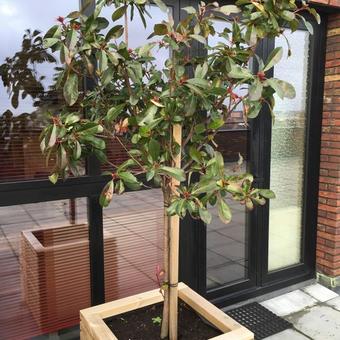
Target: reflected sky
138	34
19	15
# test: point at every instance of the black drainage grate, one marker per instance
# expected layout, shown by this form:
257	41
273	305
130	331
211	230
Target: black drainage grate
258	319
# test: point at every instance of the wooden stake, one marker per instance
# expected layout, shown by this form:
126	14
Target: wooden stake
174	248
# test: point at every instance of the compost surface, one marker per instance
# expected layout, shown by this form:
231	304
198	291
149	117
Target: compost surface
141	324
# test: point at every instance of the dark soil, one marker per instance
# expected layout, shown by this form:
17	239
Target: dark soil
139	324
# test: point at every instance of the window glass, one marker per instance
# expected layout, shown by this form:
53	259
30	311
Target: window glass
288	156
23	111
44	267
227	244
133	242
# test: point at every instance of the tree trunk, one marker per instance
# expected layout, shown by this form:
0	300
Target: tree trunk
165	318
174	245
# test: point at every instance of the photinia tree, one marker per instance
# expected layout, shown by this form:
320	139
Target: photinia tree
166	118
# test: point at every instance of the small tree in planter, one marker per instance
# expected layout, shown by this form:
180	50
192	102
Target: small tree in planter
166	119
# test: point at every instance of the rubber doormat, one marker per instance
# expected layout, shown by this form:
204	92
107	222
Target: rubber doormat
258	319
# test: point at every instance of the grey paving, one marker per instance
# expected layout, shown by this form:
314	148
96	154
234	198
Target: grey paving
290	334
335	303
289	303
320	292
319	323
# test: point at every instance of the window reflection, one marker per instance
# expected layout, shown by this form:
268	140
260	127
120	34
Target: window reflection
227	244
138	35
26	76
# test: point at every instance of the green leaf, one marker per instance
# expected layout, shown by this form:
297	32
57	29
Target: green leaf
53	32
203	83
204	187
198	38
195	154
71	39
74	15
229	9
77	150
120	187
254	110
282	88
115	32
154	149
71	91
144	51
255	90
94	141
53	178
205	215
114	112
118	13
163	7
107	76
114	57
315	14
53	136
129	180
287	15
234	188
274	57
195	89
266	193
308	25
71	119
216	124
237	72
62	157
201	70
65	55
49	42
102	61
106	194
149	116
176	173
160	29
224	211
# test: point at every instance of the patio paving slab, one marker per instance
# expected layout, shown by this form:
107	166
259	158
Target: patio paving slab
320	292
289	303
335	303
318	322
290	334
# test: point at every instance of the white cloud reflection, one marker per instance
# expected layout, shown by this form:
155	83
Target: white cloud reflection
20	15
16	16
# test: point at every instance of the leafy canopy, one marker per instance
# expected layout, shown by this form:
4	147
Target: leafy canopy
136	104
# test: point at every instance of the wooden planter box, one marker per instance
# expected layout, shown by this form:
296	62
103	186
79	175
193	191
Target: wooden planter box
55	269
93	327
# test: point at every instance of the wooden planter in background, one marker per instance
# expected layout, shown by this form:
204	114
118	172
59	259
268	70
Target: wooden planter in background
93	327
55	270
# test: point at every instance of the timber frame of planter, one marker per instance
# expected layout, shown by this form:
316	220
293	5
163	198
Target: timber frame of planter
93	327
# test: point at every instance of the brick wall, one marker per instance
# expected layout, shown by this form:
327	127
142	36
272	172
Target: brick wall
333	3
328	237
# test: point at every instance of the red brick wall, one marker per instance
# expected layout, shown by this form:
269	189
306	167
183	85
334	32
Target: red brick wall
333	3
328	237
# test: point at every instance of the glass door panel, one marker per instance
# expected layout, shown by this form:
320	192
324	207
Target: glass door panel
227	244
288	156
26	79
